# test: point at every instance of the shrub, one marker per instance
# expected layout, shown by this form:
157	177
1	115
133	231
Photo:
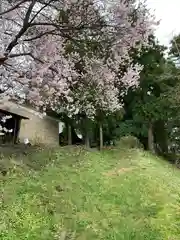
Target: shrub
129	142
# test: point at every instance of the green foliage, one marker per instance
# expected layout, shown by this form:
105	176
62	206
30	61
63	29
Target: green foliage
156	100
111	126
175	47
147	101
132	127
129	142
150	101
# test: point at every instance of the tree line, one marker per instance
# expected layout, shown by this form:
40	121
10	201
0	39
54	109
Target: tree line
96	65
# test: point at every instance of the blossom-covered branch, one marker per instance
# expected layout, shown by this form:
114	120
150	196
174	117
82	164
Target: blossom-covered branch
71	52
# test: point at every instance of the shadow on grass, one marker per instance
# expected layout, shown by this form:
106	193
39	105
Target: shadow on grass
36	157
32	157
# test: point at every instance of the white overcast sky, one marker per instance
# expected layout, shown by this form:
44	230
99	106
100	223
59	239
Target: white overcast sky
168	11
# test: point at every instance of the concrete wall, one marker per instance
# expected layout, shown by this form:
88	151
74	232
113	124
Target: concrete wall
37	130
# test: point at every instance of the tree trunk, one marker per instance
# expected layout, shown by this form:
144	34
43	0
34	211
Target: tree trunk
86	126
69	135
87	140
150	138
101	136
161	137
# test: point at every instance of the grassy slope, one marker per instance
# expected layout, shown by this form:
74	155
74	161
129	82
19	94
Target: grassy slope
111	195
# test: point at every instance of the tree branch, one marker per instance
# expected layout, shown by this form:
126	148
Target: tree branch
13	8
32	56
28	13
24	28
45	5
19	55
38	36
40	61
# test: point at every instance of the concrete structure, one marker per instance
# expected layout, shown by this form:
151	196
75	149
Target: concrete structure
43	130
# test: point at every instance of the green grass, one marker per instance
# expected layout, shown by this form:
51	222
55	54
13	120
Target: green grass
115	194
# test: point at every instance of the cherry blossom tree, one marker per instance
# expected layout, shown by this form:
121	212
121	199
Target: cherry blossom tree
36	66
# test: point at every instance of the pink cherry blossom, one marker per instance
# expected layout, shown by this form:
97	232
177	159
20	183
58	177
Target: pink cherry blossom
36	66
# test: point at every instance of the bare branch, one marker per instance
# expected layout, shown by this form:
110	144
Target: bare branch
39	36
13	8
24	28
40	61
19	55
28	13
14	42
2	60
32	56
38	12
68	27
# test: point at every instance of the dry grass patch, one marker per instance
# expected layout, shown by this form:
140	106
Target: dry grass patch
118	171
